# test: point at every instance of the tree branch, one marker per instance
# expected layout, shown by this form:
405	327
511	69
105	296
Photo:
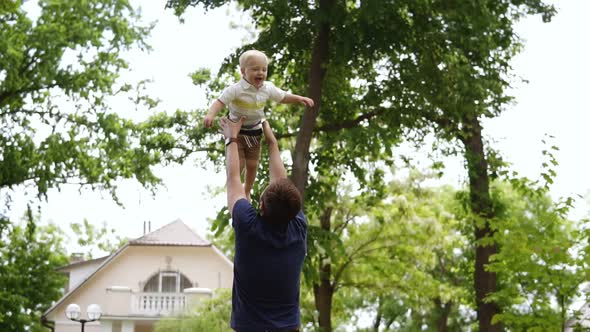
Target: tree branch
347	124
28	112
350	258
338	229
11	94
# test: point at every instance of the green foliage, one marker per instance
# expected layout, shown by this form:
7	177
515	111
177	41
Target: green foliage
60	72
540	262
57	73
92	237
419	266
201	76
210	315
29	282
414	263
386	70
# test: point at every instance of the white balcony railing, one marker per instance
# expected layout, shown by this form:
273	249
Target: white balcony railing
159	303
165	304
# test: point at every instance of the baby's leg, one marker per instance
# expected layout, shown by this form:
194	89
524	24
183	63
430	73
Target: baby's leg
251	170
252	155
242	153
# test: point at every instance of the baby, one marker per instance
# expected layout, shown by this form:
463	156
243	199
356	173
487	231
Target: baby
247	98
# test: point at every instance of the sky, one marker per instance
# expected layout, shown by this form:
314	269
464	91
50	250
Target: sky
554	101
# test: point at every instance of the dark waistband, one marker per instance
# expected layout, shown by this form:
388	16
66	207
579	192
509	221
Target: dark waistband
276	330
252	125
255	132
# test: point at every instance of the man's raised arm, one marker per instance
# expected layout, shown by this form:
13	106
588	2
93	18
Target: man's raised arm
275	163
235	190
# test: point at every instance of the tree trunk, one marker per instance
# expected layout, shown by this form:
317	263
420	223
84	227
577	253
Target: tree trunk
442	317
317	72
481	205
324	290
323	294
378	318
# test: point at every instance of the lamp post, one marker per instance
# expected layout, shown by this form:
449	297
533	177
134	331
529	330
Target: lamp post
93	312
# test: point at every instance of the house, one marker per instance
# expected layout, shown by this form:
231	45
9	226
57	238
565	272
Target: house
581	321
160	274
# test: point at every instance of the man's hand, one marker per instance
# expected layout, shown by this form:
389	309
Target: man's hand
230	128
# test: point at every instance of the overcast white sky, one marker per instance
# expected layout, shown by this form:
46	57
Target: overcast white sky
555	101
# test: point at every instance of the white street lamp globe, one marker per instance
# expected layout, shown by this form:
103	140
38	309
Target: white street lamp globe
93	311
73	311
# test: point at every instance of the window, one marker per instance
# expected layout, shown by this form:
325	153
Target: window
167	282
185	283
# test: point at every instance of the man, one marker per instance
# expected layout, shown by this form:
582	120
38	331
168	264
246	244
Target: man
270	245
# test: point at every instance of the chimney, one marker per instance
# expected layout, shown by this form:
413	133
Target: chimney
76	257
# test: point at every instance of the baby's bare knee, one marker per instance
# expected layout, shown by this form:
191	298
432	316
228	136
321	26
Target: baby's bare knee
252	164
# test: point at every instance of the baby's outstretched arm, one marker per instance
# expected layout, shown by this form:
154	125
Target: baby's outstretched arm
292	99
213	110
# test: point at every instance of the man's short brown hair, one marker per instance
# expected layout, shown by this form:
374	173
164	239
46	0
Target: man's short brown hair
282	201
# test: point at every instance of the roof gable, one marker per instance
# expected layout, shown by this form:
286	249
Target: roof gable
175	233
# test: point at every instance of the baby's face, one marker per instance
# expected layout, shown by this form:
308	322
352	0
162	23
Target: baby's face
255	70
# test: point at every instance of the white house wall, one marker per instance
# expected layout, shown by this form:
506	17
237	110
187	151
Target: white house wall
79	273
136	264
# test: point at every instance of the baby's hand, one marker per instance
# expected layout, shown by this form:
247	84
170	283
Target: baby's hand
208	120
306	101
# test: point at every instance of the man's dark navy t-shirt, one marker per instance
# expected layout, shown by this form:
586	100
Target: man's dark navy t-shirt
267	271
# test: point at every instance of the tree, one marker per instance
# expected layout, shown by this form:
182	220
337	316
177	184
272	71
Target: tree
378	70
57	74
92	237
286	28
451	78
29	282
543	256
541	260
418	278
210	315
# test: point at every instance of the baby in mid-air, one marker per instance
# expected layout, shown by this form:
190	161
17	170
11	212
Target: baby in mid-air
247	98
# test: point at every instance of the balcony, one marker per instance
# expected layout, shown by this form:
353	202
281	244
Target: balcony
154	303
158	304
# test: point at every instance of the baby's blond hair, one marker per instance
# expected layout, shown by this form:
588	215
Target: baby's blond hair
250	54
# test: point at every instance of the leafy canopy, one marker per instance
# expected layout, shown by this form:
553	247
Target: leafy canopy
29	282
57	72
